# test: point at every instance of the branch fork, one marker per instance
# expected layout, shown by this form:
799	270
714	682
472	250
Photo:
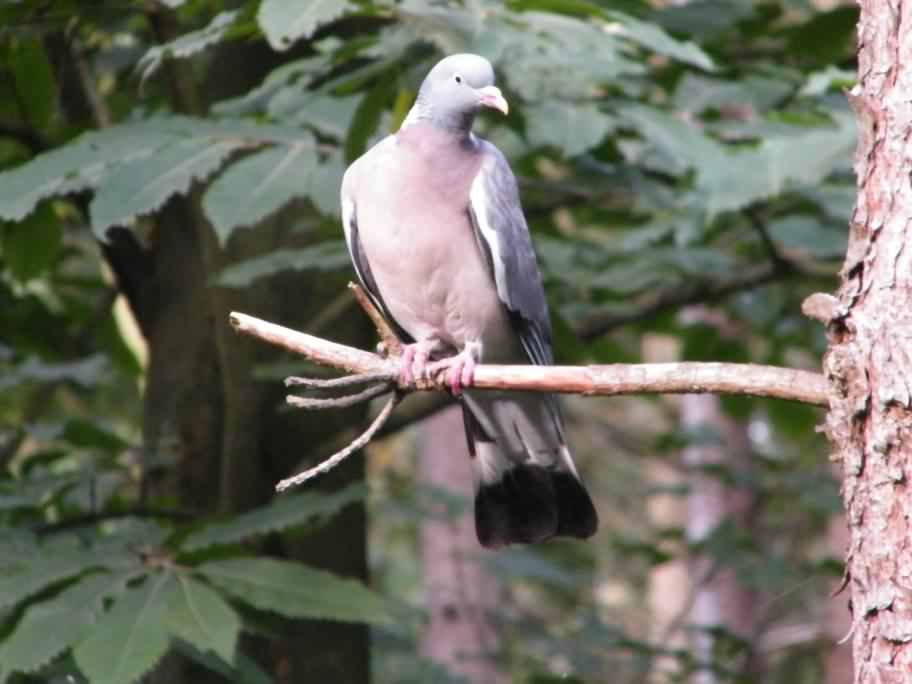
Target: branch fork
373	375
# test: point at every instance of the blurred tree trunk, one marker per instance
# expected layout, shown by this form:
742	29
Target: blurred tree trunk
719	600
869	362
229	434
668	581
460	594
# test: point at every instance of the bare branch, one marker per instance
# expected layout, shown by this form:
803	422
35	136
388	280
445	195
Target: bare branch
340	456
603	380
339	402
600	322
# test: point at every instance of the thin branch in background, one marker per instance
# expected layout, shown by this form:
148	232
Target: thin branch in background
340	456
599	323
772	251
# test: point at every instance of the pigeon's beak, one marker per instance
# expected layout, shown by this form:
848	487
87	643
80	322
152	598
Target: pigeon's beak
490	96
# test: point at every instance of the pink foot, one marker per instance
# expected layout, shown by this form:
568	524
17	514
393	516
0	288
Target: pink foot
460	370
413	363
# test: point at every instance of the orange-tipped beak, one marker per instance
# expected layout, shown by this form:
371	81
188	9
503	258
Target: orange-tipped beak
490	96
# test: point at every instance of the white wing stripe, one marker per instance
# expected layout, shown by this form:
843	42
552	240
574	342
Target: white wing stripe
479	201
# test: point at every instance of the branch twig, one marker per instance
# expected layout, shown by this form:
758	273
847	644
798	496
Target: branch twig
382	376
603	380
340	456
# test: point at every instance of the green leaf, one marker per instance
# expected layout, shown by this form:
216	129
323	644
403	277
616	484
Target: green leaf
258	185
324	256
84	372
808	234
327	114
199	616
557	63
830	78
130	638
570	127
366	119
296	590
653	37
31	247
143	185
325	184
281	514
20	578
284	22
36	91
186	45
49	627
76	166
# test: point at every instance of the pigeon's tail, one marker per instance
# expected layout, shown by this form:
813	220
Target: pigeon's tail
526	486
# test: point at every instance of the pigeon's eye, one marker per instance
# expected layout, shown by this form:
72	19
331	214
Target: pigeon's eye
458	78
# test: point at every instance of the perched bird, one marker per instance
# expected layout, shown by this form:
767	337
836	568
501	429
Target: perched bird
438	239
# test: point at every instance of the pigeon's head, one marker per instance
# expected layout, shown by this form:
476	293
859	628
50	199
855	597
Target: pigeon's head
454	90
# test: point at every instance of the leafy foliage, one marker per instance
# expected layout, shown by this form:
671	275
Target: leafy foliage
668	154
285	512
296	590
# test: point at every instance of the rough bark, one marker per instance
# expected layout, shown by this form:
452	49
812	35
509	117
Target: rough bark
459	592
869	363
837	618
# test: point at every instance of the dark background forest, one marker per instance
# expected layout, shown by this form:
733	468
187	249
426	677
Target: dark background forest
685	168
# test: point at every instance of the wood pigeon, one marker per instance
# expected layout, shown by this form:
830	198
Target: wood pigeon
438	239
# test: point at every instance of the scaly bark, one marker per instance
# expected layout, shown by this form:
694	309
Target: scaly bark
869	363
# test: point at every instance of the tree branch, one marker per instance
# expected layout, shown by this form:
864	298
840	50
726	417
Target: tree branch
602	380
601	322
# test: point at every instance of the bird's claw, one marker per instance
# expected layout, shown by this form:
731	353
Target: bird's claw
459	370
413	363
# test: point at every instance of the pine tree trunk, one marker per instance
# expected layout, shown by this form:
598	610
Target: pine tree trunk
869	363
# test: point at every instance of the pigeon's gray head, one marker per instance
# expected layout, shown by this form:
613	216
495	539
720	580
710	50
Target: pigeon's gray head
453	92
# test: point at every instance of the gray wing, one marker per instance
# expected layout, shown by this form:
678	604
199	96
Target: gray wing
503	238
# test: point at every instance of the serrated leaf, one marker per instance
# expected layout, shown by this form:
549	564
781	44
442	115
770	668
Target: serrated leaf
256	186
570	127
324	256
76	166
653	37
557	63
130	638
283	513
49	627
284	22
297	72
31	247
805	157
20	578
199	616
142	186
296	590
186	45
